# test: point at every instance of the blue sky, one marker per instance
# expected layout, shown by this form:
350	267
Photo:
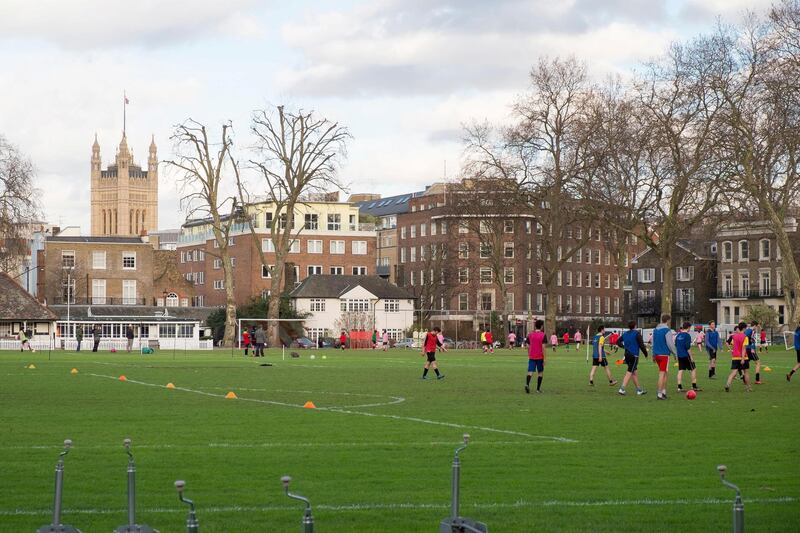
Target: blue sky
403	75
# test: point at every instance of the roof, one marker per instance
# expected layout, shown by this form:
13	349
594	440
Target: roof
17	304
331	286
107	240
136	313
391	205
699	248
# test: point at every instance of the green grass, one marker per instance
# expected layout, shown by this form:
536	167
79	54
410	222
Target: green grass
635	464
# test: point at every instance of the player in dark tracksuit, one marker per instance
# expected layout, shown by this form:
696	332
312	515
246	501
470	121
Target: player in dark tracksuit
752	349
712	345
633	343
796	349
683	346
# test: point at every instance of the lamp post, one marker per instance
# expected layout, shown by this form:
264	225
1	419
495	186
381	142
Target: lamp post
69	295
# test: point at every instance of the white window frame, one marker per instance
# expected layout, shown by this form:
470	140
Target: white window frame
314	246
337	247
128	255
359	247
98	264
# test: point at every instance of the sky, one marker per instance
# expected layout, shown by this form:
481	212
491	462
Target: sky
403	75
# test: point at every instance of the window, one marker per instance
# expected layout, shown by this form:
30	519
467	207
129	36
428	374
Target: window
463	301
200	278
129	292
484	227
616	281
485	250
485	275
744	282
317	304
98	291
128	260
508	250
267	246
463	250
266	271
359	271
539	277
444	227
597	280
463	228
463	275
217	264
508	226
219	284
334	222
172	300
508	275
684	273
358	305
413	231
411	279
433	229
727	252
294	246
183	257
597	257
314	246
608	281
67	258
539	302
337	271
423	230
413	254
608	305
233	261
391	306
402	255
311	221
486	301
539	229
559	307
403	232
616	306
744	251
231	242
216	243
99	260
646	275
763	250
359	247
727	285
763	282
579	303
569	278
528	227
558	278
313	270
578	256
337	247
684	300
509	301
568	308
597	305
608	258
578	279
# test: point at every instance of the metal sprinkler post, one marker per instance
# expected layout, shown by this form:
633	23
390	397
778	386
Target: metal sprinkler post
738	505
307	525
56	526
192	525
132	526
455	523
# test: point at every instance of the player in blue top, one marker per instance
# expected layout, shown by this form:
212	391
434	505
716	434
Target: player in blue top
632	342
752	351
712	345
796	349
599	356
683	346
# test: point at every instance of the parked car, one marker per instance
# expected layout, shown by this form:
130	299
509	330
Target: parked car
303	342
449	343
406	343
329	342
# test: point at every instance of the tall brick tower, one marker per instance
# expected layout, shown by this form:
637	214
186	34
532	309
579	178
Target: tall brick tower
124	197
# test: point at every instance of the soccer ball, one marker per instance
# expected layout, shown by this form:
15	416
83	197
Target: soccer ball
313	356
691	395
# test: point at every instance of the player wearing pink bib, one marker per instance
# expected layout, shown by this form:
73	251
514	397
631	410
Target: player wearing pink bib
536	342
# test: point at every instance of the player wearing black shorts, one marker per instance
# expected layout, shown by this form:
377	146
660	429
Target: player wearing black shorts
797	349
752	350
712	344
429	349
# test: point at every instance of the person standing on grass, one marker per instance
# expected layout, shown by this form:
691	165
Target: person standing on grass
96	334
385	340
763	338
739	362
79	336
246	341
565	339
683	347
343	340
599	356
440	338
752	349
374	338
631	341
536	342
663	346
712	344
429	350
578	339
489	341
553	341
261	340
796	349
613	339
24	340
129	336
701	339
512	339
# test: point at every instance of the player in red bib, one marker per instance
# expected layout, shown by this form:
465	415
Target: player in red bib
246	340
429	346
536	342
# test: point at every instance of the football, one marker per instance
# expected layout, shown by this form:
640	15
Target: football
691	395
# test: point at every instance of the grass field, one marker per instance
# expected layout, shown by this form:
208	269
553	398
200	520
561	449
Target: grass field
376	453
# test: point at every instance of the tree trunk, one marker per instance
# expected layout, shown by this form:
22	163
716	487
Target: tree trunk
274	307
550	311
791	276
230	300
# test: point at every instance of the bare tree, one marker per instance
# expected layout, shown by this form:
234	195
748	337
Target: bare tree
758	79
208	169
297	153
18	206
546	151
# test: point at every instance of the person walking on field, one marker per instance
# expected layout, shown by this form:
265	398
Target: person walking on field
631	341
763	346
565	340
374	338
712	345
440	339
129	336
796	349
599	357
536	343
246	341
343	340
683	348
489	344
553	341
578	339
429	346
261	340
96	334
24	341
512	339
739	362
663	346
385	340
752	349
79	336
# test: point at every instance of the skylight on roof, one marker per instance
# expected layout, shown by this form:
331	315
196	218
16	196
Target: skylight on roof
371	205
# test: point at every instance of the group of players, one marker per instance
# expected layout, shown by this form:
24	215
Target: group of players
666	343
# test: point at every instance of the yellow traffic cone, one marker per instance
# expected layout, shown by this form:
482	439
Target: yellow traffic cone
73	371
231	396
32	366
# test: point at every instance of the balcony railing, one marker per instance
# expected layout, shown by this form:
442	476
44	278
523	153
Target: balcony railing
772	292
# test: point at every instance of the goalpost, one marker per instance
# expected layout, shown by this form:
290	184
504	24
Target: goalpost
284	334
788	340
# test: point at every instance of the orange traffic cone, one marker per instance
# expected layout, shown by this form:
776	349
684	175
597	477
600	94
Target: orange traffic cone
309	405
170	385
123	378
231	396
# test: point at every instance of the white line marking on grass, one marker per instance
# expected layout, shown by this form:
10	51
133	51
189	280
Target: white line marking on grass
395	399
350	412
401	506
